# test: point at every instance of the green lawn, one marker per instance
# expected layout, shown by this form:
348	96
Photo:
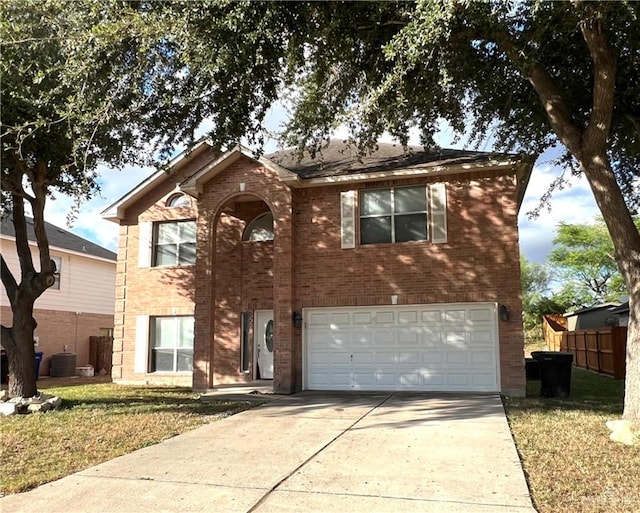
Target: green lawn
97	422
570	462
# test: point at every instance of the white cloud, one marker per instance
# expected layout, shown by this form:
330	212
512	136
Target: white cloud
572	204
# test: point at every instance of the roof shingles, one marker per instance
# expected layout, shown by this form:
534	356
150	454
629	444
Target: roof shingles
62	239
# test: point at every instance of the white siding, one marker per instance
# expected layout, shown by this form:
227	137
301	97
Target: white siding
86	284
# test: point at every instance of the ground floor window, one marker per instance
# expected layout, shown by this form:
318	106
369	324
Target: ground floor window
172	344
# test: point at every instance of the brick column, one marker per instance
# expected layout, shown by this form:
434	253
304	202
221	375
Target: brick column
283	278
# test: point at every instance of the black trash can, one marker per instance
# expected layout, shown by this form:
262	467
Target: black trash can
555	373
532	369
39	355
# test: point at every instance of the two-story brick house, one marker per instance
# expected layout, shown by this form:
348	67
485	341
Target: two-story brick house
393	271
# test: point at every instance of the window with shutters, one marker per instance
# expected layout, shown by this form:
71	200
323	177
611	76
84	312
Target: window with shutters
393	215
174	243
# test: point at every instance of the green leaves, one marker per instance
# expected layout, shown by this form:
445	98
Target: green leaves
585	258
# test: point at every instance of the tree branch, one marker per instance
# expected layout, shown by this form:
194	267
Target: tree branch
40	186
544	85
22	239
604	79
8	280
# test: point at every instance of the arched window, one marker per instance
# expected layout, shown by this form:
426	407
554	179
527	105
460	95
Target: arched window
260	229
179	200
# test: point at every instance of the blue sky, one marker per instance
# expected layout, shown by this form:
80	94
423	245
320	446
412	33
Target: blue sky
574	204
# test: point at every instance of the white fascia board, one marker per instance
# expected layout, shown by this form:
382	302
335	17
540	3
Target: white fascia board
116	210
400	173
58	249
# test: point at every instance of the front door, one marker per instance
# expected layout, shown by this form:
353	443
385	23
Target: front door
264	333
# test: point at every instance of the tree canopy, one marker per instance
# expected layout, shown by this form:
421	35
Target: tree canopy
118	81
583	255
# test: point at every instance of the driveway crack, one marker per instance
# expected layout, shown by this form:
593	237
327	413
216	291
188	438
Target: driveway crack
313	456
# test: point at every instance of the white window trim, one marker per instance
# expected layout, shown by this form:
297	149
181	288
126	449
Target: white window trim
57	274
175	348
154	242
393	214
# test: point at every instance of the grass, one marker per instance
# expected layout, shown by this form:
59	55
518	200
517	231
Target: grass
570	463
97	422
568	458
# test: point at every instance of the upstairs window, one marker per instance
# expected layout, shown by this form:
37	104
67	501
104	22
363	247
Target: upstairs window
174	243
260	229
393	215
56	274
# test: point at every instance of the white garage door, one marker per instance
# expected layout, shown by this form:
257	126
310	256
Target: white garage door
447	347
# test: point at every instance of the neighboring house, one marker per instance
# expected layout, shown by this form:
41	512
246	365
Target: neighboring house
598	316
394	271
619	316
81	302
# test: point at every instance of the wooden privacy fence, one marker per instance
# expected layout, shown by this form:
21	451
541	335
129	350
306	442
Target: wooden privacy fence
101	354
602	350
552	330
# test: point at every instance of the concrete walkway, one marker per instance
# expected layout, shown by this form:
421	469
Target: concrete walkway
313	452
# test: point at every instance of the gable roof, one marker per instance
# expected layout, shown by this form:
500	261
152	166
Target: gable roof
593	308
338	158
622	309
60	239
116	210
194	184
336	162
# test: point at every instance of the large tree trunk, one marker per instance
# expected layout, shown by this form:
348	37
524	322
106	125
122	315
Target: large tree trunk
626	240
18	342
18	339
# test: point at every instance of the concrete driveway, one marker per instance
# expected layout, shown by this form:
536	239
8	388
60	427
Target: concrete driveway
313	452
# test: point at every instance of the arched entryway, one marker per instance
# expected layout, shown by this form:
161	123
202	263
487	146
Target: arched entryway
244	297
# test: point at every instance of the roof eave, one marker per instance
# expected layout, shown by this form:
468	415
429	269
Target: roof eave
116	211
440	170
194	185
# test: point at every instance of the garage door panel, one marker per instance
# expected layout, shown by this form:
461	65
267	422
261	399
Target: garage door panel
411	338
457	339
340	359
384	318
341	319
433	357
481	314
484	380
483	358
383	337
430	317
409	380
481	337
429	347
454	316
387	380
318	319
362	318
408	317
457	357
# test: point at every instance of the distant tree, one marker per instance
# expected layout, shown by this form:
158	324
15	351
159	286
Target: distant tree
583	257
538	295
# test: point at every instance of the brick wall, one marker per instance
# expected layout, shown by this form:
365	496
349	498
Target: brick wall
305	267
58	328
